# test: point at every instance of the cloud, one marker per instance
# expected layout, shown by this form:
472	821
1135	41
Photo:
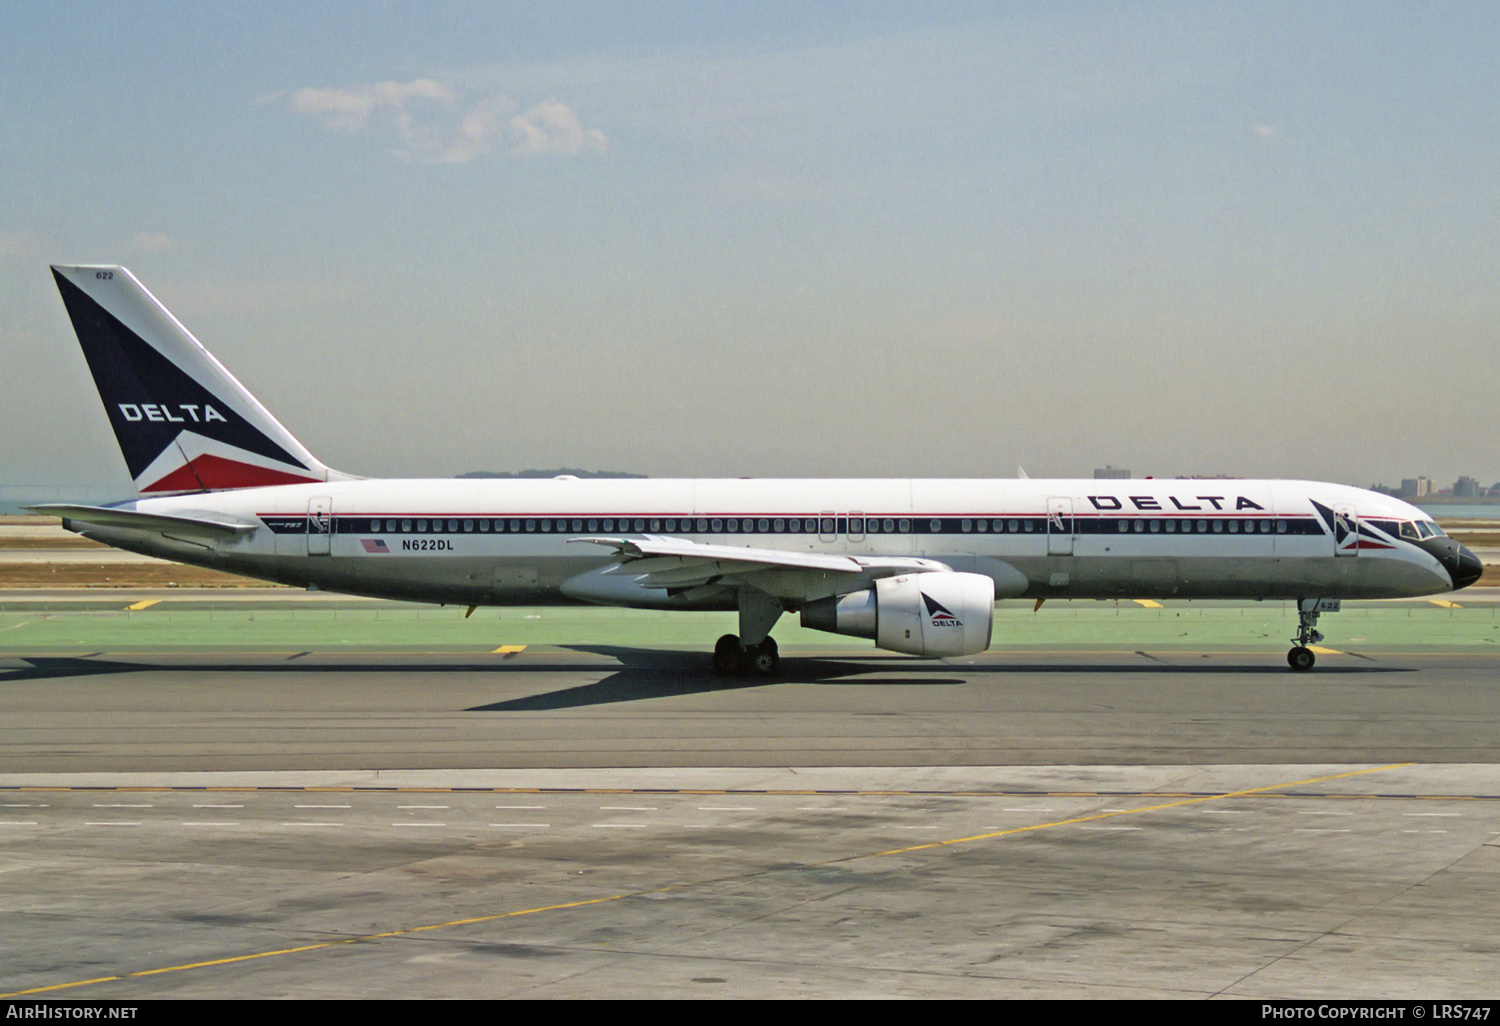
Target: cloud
349	110
433	123
552	128
1265	131
150	242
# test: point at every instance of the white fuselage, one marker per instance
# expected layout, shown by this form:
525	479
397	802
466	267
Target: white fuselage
511	541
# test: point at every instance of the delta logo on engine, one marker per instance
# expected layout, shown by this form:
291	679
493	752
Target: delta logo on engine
939	616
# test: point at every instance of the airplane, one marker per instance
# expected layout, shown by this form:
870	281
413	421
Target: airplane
914	565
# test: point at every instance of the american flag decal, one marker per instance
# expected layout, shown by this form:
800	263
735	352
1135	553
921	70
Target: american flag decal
374	545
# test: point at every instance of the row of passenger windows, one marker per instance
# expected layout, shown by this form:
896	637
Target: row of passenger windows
809	525
1219	526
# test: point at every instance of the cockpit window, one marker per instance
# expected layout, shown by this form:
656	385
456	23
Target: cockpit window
1425	527
1437	531
1409	530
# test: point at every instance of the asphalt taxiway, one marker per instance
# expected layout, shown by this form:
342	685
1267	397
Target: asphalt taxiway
284	796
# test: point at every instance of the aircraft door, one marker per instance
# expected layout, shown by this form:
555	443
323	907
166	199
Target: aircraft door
1059	527
319	526
1345	531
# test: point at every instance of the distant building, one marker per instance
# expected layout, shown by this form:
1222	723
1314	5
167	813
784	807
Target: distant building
1467	487
1111	473
1415	487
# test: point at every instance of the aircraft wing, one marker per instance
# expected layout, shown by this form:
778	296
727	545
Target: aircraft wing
676	563
211	525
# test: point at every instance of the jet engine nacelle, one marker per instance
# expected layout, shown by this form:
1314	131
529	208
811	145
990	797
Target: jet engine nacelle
930	614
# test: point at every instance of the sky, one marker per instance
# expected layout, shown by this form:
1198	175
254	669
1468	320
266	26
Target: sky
774	239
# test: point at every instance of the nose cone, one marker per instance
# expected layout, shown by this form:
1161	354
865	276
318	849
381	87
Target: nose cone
1464	567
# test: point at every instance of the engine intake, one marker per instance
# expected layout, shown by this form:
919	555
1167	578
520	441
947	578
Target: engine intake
929	614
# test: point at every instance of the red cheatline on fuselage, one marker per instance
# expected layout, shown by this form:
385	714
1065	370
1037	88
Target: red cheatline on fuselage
216	473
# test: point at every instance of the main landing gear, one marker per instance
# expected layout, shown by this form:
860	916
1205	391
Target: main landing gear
1301	657
731	659
753	650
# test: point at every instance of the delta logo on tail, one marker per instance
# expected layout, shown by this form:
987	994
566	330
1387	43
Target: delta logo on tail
939	616
176	434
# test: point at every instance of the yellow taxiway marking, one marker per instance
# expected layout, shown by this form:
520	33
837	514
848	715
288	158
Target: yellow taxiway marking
1324	651
1445	603
495	916
508	650
1148	603
1110	815
142	604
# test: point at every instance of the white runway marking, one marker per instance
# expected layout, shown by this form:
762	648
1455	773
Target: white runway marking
421	806
218	806
123	806
618	826
627	808
1426	814
17	822
320	806
726	808
307	823
209	823
532	807
23	805
521	826
112	822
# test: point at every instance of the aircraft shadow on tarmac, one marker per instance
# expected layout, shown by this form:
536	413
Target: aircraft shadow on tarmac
656	673
653	673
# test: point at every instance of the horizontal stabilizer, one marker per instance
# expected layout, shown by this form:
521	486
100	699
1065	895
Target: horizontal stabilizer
213	525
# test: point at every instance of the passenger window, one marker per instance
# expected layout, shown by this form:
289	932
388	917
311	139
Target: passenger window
1156	527
779	526
421	525
702	526
484	525
999	526
1218	527
1171	526
406	525
1140	527
453	526
546	526
734	526
905	526
1124	526
718	525
640	525
810	526
888	526
1281	527
515	525
936	526
1234	527
1015	525
375	525
983	525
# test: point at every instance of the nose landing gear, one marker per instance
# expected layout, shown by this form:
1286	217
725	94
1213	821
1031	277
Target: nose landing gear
1301	658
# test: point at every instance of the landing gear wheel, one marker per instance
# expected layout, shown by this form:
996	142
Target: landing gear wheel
729	658
765	659
1301	659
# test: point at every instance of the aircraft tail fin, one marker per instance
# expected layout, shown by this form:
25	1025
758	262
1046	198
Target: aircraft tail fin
183	422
